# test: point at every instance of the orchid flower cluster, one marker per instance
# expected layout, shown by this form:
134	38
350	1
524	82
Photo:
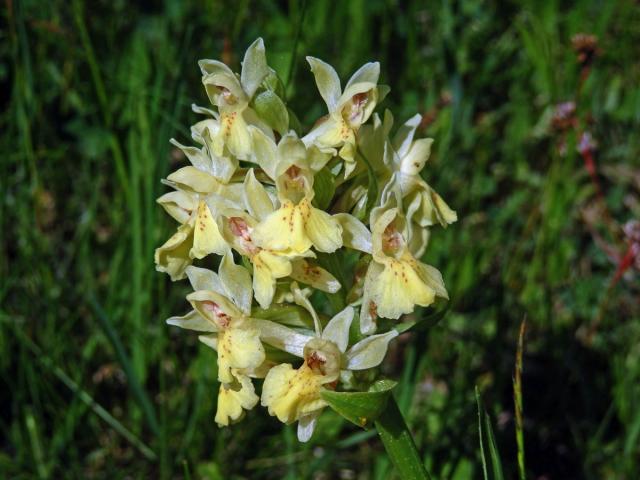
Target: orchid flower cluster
316	238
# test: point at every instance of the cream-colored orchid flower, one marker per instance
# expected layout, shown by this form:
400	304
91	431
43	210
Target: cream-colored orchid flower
205	159
221	308
425	206
200	190
294	394
395	281
238	228
231	95
397	165
348	109
296	226
197	237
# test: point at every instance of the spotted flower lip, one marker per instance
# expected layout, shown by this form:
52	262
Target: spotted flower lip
197	237
296	226
395	281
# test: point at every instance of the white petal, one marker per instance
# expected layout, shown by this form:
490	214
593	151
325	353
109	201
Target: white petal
237	282
337	330
256	198
210	341
327	81
354	233
281	337
369	73
254	67
204	279
193	321
369	352
404	136
306	426
264	151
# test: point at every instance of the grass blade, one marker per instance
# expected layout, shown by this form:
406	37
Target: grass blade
136	387
488	442
82	394
517	398
294	50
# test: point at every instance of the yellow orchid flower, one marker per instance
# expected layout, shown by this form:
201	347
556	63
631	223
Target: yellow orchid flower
231	95
409	156
295	228
296	225
197	237
221	308
198	187
269	266
294	394
348	109
395	281
238	228
238	341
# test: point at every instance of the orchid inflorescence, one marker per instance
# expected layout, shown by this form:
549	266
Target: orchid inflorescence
297	221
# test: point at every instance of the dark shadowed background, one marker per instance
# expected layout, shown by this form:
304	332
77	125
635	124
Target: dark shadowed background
536	147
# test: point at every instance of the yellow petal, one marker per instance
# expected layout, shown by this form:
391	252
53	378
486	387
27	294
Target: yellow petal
335	132
290	394
193	179
347	153
206	238
240	349
173	256
324	231
432	277
306	272
268	267
234	135
234	398
283	230
446	215
399	288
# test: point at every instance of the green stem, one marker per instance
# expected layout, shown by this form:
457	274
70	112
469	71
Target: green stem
398	442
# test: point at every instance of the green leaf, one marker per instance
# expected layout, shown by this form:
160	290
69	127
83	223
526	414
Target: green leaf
324	186
272	110
273	82
360	408
399	444
290	315
492	468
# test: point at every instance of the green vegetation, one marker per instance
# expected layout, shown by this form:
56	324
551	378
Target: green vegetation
94	383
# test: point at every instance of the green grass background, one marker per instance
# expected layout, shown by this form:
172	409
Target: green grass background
94	384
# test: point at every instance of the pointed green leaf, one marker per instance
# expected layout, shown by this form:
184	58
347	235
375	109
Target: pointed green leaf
286	314
272	110
360	408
